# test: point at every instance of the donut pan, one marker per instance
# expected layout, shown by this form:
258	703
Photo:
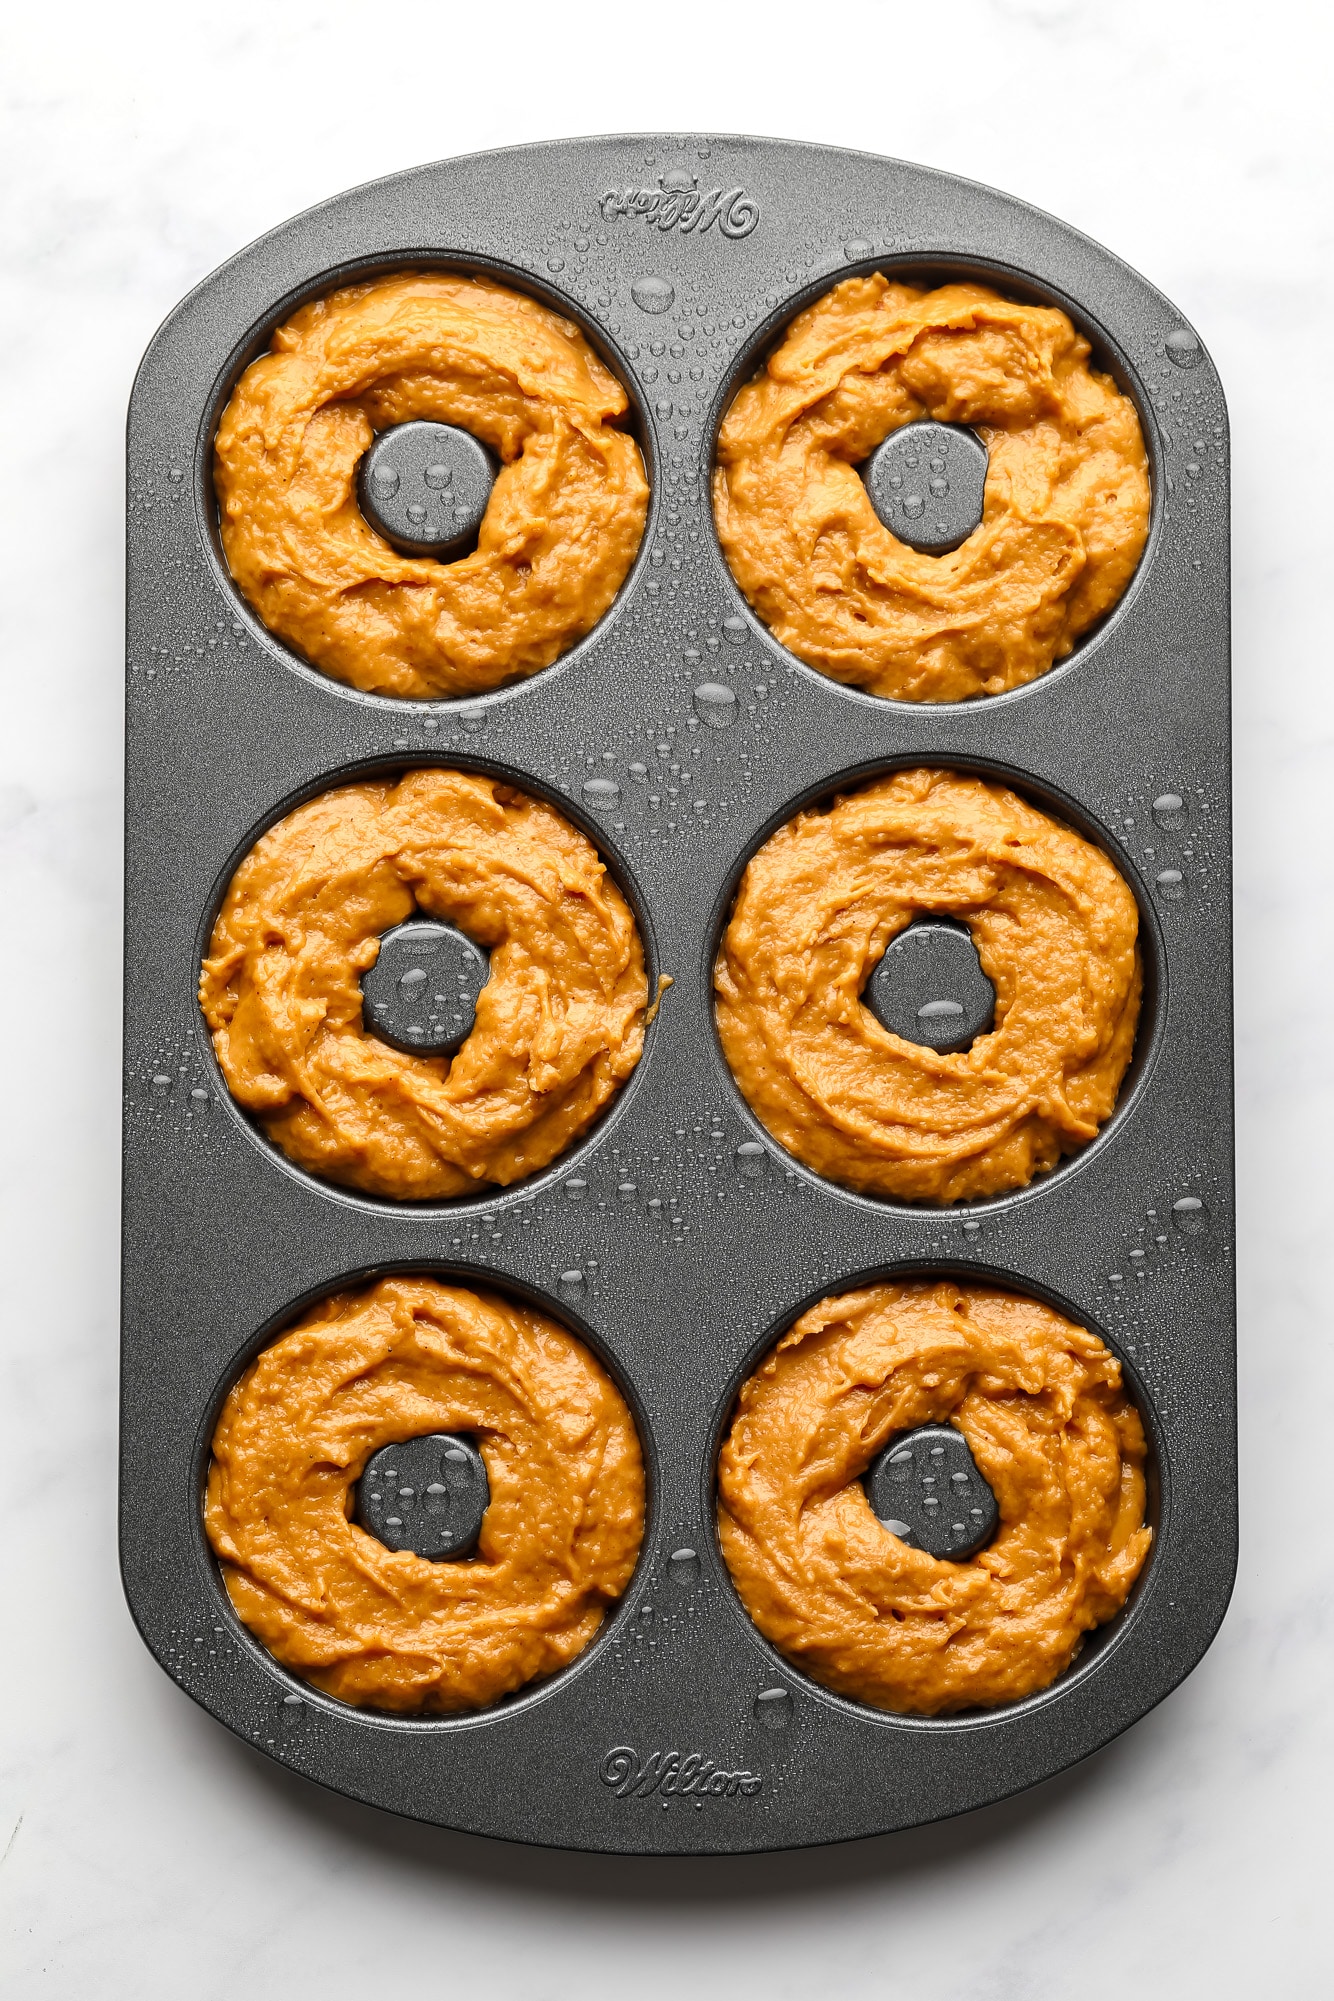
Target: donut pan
677	1238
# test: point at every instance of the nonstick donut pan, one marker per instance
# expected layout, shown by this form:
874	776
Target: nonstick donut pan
677	1238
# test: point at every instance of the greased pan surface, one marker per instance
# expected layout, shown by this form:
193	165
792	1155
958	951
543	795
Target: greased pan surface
677	1257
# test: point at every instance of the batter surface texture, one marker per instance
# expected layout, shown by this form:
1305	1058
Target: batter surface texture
1066	507
1055	929
561	529
1041	1404
392	1630
560	1022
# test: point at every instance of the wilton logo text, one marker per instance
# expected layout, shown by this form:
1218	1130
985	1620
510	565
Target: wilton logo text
676	203
671	1773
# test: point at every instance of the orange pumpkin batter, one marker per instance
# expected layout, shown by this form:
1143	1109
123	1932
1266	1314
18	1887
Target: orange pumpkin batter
390	1629
1041	1404
561	529
1055	929
1066	508
560	1022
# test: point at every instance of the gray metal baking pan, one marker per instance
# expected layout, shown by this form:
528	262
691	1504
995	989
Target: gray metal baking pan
677	1239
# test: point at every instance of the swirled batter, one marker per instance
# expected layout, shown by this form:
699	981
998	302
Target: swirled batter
561	529
1055	929
1041	1404
1066	508
560	1022
393	1630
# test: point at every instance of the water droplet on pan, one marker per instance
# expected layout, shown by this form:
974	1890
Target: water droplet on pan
715	704
1183	347
601	791
653	295
1190	1216
773	1708
683	1565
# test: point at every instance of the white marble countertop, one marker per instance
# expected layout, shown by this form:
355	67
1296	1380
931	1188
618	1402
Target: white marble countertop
147	1853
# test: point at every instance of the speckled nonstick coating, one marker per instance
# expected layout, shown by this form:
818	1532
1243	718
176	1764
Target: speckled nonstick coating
676	1238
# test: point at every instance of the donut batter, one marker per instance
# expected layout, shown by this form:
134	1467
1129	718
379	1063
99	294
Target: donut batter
1066	508
561	529
1055	929
393	1630
560	1022
1041	1404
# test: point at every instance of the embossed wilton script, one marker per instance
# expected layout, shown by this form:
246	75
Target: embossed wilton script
676	203
671	1772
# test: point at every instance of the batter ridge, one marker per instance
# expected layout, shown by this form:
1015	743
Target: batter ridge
1042	1406
393	1630
1055	927
559	1024
1066	506
561	529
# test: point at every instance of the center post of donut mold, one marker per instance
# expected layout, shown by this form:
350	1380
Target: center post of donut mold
428	1494
421	993
926	482
926	1489
425	488
929	987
